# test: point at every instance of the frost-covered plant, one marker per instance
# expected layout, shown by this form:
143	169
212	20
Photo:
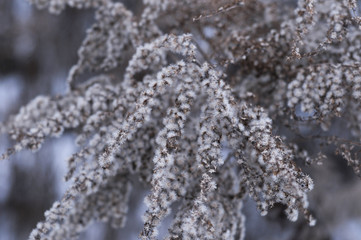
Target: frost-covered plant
201	78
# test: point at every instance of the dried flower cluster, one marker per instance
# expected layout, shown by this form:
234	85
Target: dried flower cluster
196	80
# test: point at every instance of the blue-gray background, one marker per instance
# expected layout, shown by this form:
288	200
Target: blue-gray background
37	50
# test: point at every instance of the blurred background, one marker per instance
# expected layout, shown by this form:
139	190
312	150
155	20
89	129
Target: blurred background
37	50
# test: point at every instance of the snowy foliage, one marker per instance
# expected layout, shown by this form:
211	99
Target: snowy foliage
195	79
